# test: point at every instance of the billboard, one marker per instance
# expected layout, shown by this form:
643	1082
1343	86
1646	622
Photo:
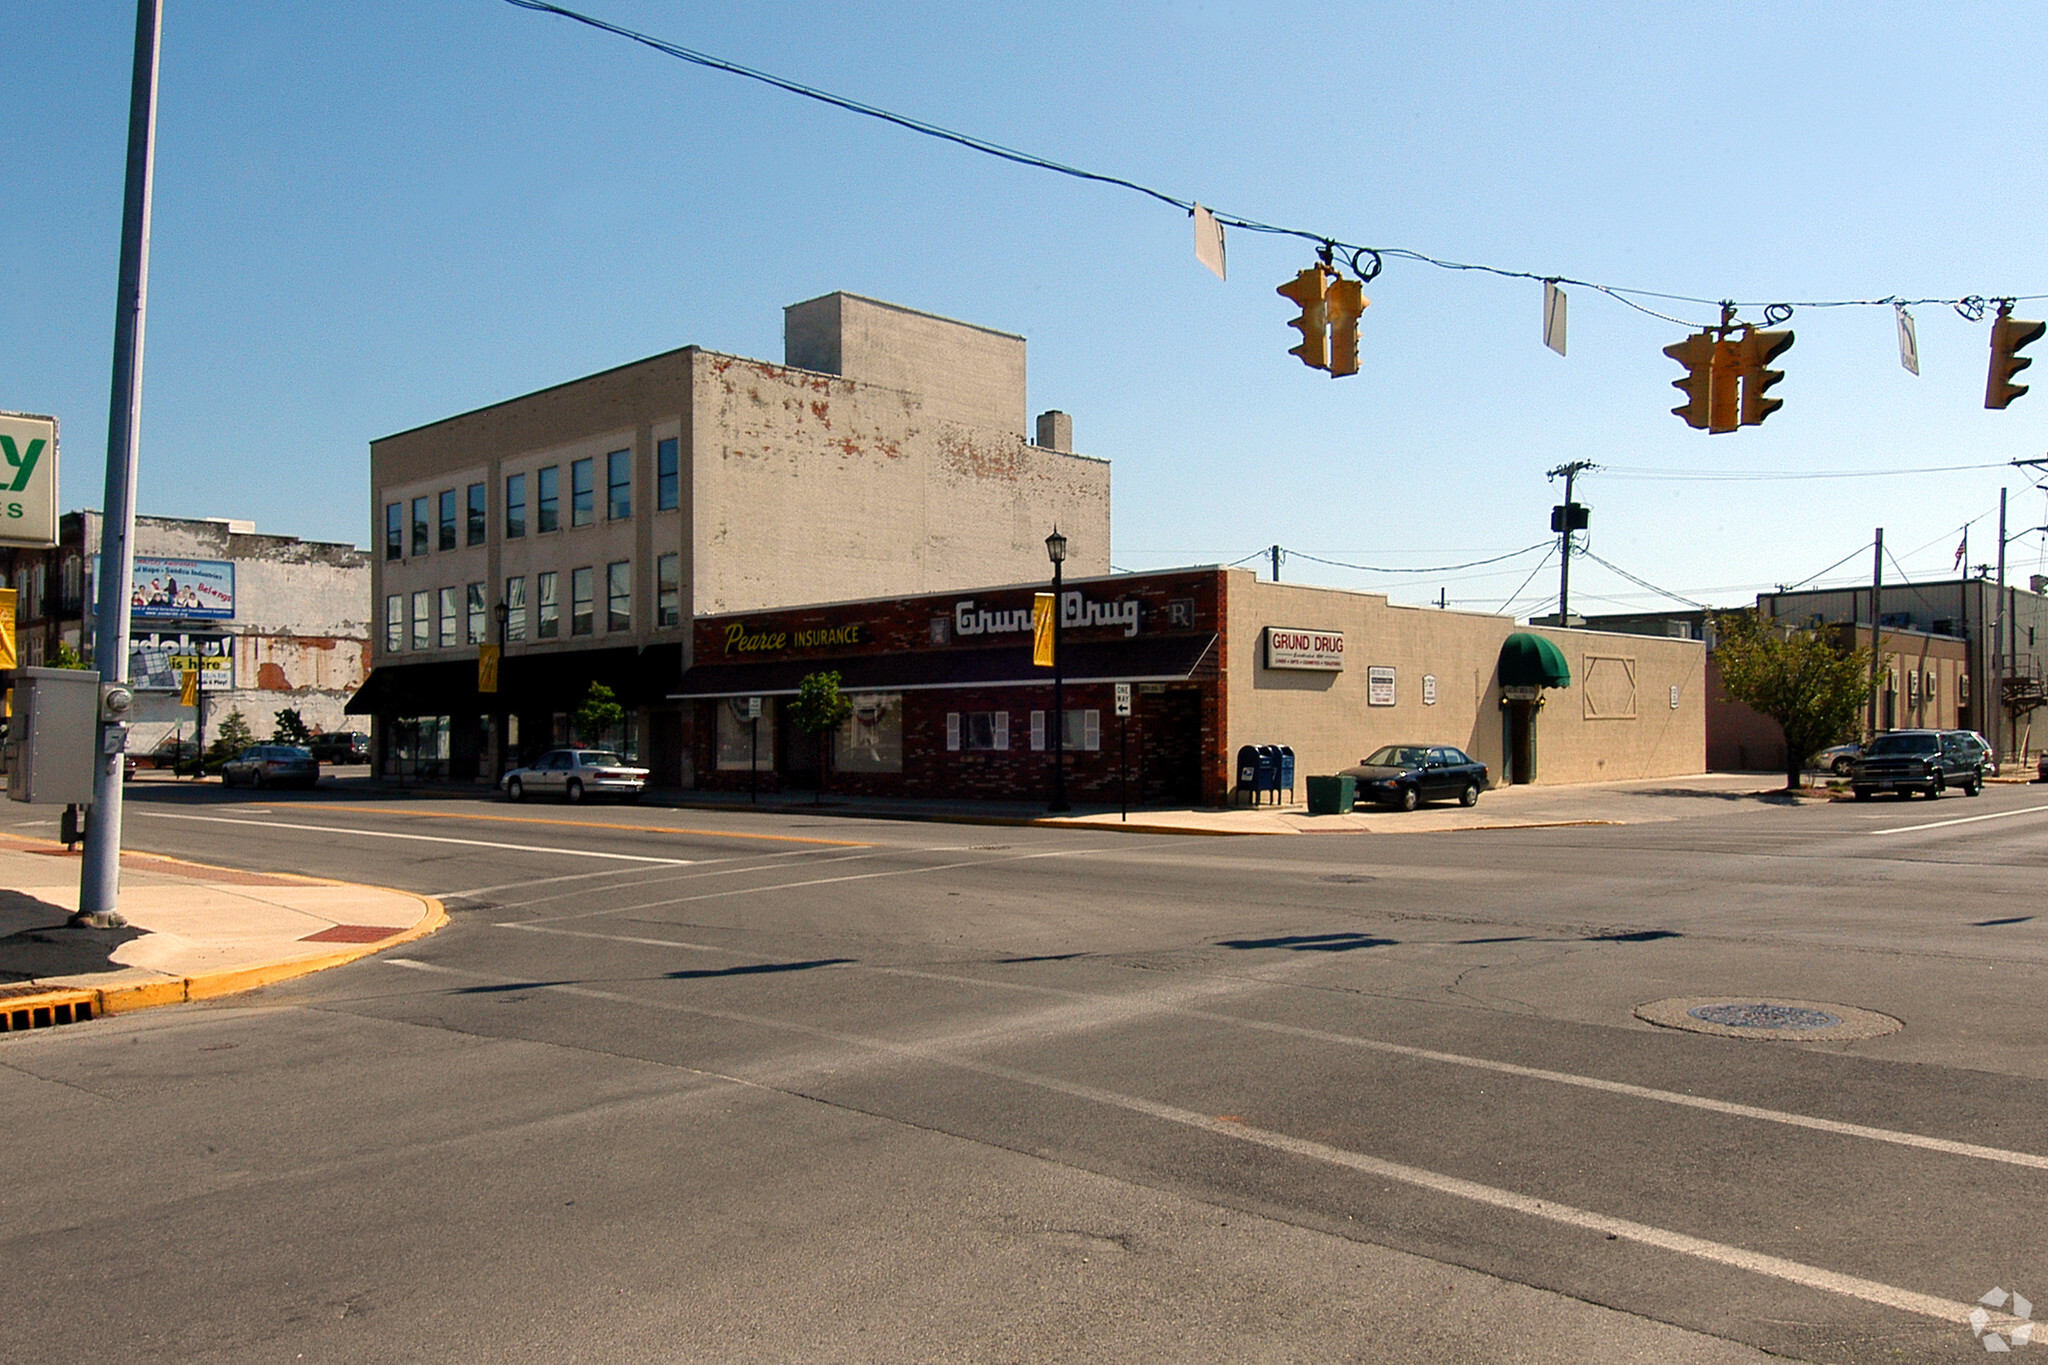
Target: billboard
28	479
182	590
158	661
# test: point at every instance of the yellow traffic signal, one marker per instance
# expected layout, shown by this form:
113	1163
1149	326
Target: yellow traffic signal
1759	349
1310	291
1345	301
1696	353
2008	334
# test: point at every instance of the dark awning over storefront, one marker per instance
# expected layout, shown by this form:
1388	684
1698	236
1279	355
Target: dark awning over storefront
1168	659
553	681
1529	660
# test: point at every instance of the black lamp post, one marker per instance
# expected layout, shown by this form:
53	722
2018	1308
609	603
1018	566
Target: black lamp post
503	612
1056	551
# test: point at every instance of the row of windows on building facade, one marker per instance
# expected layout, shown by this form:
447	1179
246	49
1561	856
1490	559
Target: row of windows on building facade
447	618
442	523
871	740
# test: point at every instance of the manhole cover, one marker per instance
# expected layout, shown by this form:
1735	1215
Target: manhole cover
1764	1016
1774	1020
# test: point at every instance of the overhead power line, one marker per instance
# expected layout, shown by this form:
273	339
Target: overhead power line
1771	475
1972	306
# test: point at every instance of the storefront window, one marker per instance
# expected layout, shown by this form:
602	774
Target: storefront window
419	746
1083	730
871	740
737	738
978	730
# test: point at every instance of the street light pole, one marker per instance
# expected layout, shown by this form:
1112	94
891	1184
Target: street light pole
99	881
503	612
1056	550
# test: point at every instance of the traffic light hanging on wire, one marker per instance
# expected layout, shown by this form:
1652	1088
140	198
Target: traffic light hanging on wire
1727	375
2008	334
1331	306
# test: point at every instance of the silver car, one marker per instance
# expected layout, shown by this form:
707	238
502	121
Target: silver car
271	765
576	774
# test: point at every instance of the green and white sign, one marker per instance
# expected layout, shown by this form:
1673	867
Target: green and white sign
28	479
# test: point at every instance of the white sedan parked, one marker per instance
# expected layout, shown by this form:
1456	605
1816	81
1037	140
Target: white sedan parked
575	774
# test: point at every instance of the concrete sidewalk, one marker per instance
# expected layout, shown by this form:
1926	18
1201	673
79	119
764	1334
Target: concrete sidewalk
193	931
1637	801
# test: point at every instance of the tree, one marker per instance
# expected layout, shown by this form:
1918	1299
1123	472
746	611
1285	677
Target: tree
66	657
233	737
597	713
290	729
820	709
1814	689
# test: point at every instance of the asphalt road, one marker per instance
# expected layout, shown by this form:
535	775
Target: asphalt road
683	1085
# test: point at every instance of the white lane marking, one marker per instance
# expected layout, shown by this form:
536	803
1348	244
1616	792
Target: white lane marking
821	881
1663	1239
830	855
422	838
1962	820
628	938
1947	1146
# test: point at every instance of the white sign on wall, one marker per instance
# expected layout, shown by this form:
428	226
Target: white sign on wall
1321	650
1429	689
1379	685
28	479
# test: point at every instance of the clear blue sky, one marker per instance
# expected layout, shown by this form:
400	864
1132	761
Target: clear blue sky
375	214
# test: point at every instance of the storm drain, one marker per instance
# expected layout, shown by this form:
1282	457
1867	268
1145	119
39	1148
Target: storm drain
43	1009
1770	1020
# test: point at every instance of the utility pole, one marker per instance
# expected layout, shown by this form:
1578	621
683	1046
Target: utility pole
1999	745
1876	598
1276	563
1564	528
99	881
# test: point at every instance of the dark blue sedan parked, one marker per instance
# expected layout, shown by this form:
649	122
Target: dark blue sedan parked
1406	775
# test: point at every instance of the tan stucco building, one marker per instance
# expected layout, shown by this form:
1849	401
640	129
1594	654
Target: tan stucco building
888	454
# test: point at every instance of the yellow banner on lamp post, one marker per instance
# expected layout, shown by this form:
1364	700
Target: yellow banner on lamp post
487	668
7	656
1042	607
188	689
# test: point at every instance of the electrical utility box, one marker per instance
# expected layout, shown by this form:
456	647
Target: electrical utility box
53	738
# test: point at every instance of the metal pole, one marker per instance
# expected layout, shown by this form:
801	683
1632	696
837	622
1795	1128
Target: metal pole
754	759
1123	766
1059	703
1876	598
2001	730
99	882
1564	564
1276	563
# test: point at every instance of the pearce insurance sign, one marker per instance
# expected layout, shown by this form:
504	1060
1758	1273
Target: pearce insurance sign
28	479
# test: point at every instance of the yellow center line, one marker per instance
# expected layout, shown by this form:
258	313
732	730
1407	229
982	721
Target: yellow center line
601	824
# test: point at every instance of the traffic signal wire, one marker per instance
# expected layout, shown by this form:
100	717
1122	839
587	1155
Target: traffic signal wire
1970	306
1642	582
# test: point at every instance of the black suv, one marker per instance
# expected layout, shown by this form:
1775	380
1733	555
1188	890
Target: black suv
1927	761
342	746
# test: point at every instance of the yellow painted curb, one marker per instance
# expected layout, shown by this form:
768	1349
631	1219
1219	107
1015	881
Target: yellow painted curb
208	985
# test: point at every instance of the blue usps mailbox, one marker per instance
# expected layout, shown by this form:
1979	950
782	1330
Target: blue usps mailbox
1247	773
1286	780
1269	769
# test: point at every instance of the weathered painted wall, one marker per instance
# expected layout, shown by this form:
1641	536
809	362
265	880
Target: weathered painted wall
1614	722
811	487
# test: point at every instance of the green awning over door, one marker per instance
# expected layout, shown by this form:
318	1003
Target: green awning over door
1529	660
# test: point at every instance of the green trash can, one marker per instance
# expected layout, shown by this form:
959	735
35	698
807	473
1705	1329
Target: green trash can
1332	795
